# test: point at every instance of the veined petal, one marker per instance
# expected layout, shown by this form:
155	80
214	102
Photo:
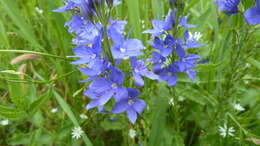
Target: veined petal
132	115
92	104
120	93
133	44
103	99
139	106
138	79
150	75
133	93
100	85
172	80
252	15
120	107
117	76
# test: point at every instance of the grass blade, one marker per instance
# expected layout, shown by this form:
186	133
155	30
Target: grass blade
65	107
25	29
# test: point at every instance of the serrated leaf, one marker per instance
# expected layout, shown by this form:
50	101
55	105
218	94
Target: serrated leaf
11	113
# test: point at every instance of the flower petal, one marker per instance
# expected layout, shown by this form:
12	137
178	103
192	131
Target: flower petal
139	106
120	107
252	15
132	115
138	79
120	93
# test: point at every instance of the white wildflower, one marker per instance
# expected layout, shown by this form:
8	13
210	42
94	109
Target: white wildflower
171	102
226	131
38	10
76	132
247	65
246	82
181	99
54	110
83	116
196	36
4	122
132	133
238	107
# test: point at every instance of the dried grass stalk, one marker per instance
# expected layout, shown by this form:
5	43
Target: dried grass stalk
24	57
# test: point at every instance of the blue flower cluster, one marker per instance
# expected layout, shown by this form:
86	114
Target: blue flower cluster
252	15
171	57
100	47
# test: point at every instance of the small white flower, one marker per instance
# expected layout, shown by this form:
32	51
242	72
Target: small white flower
83	116
132	133
76	132
54	110
238	107
246	82
171	102
38	10
4	122
181	99
247	65
225	131
196	36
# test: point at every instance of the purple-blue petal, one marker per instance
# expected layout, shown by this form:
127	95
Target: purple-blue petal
139	106
252	15
120	106
132	115
133	93
120	93
138	79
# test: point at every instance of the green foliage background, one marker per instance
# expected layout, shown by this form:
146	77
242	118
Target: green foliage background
231	76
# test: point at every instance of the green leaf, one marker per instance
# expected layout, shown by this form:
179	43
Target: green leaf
159	115
113	125
207	67
36	105
158	9
10	113
134	17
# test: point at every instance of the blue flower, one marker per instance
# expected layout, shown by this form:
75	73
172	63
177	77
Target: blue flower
88	34
191	40
131	104
94	70
124	48
179	48
229	6
119	26
158	61
76	24
184	23
160	27
88	54
88	7
169	74
186	65
69	5
165	47
252	15
139	69
102	89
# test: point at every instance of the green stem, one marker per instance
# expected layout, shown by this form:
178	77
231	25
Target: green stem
33	52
